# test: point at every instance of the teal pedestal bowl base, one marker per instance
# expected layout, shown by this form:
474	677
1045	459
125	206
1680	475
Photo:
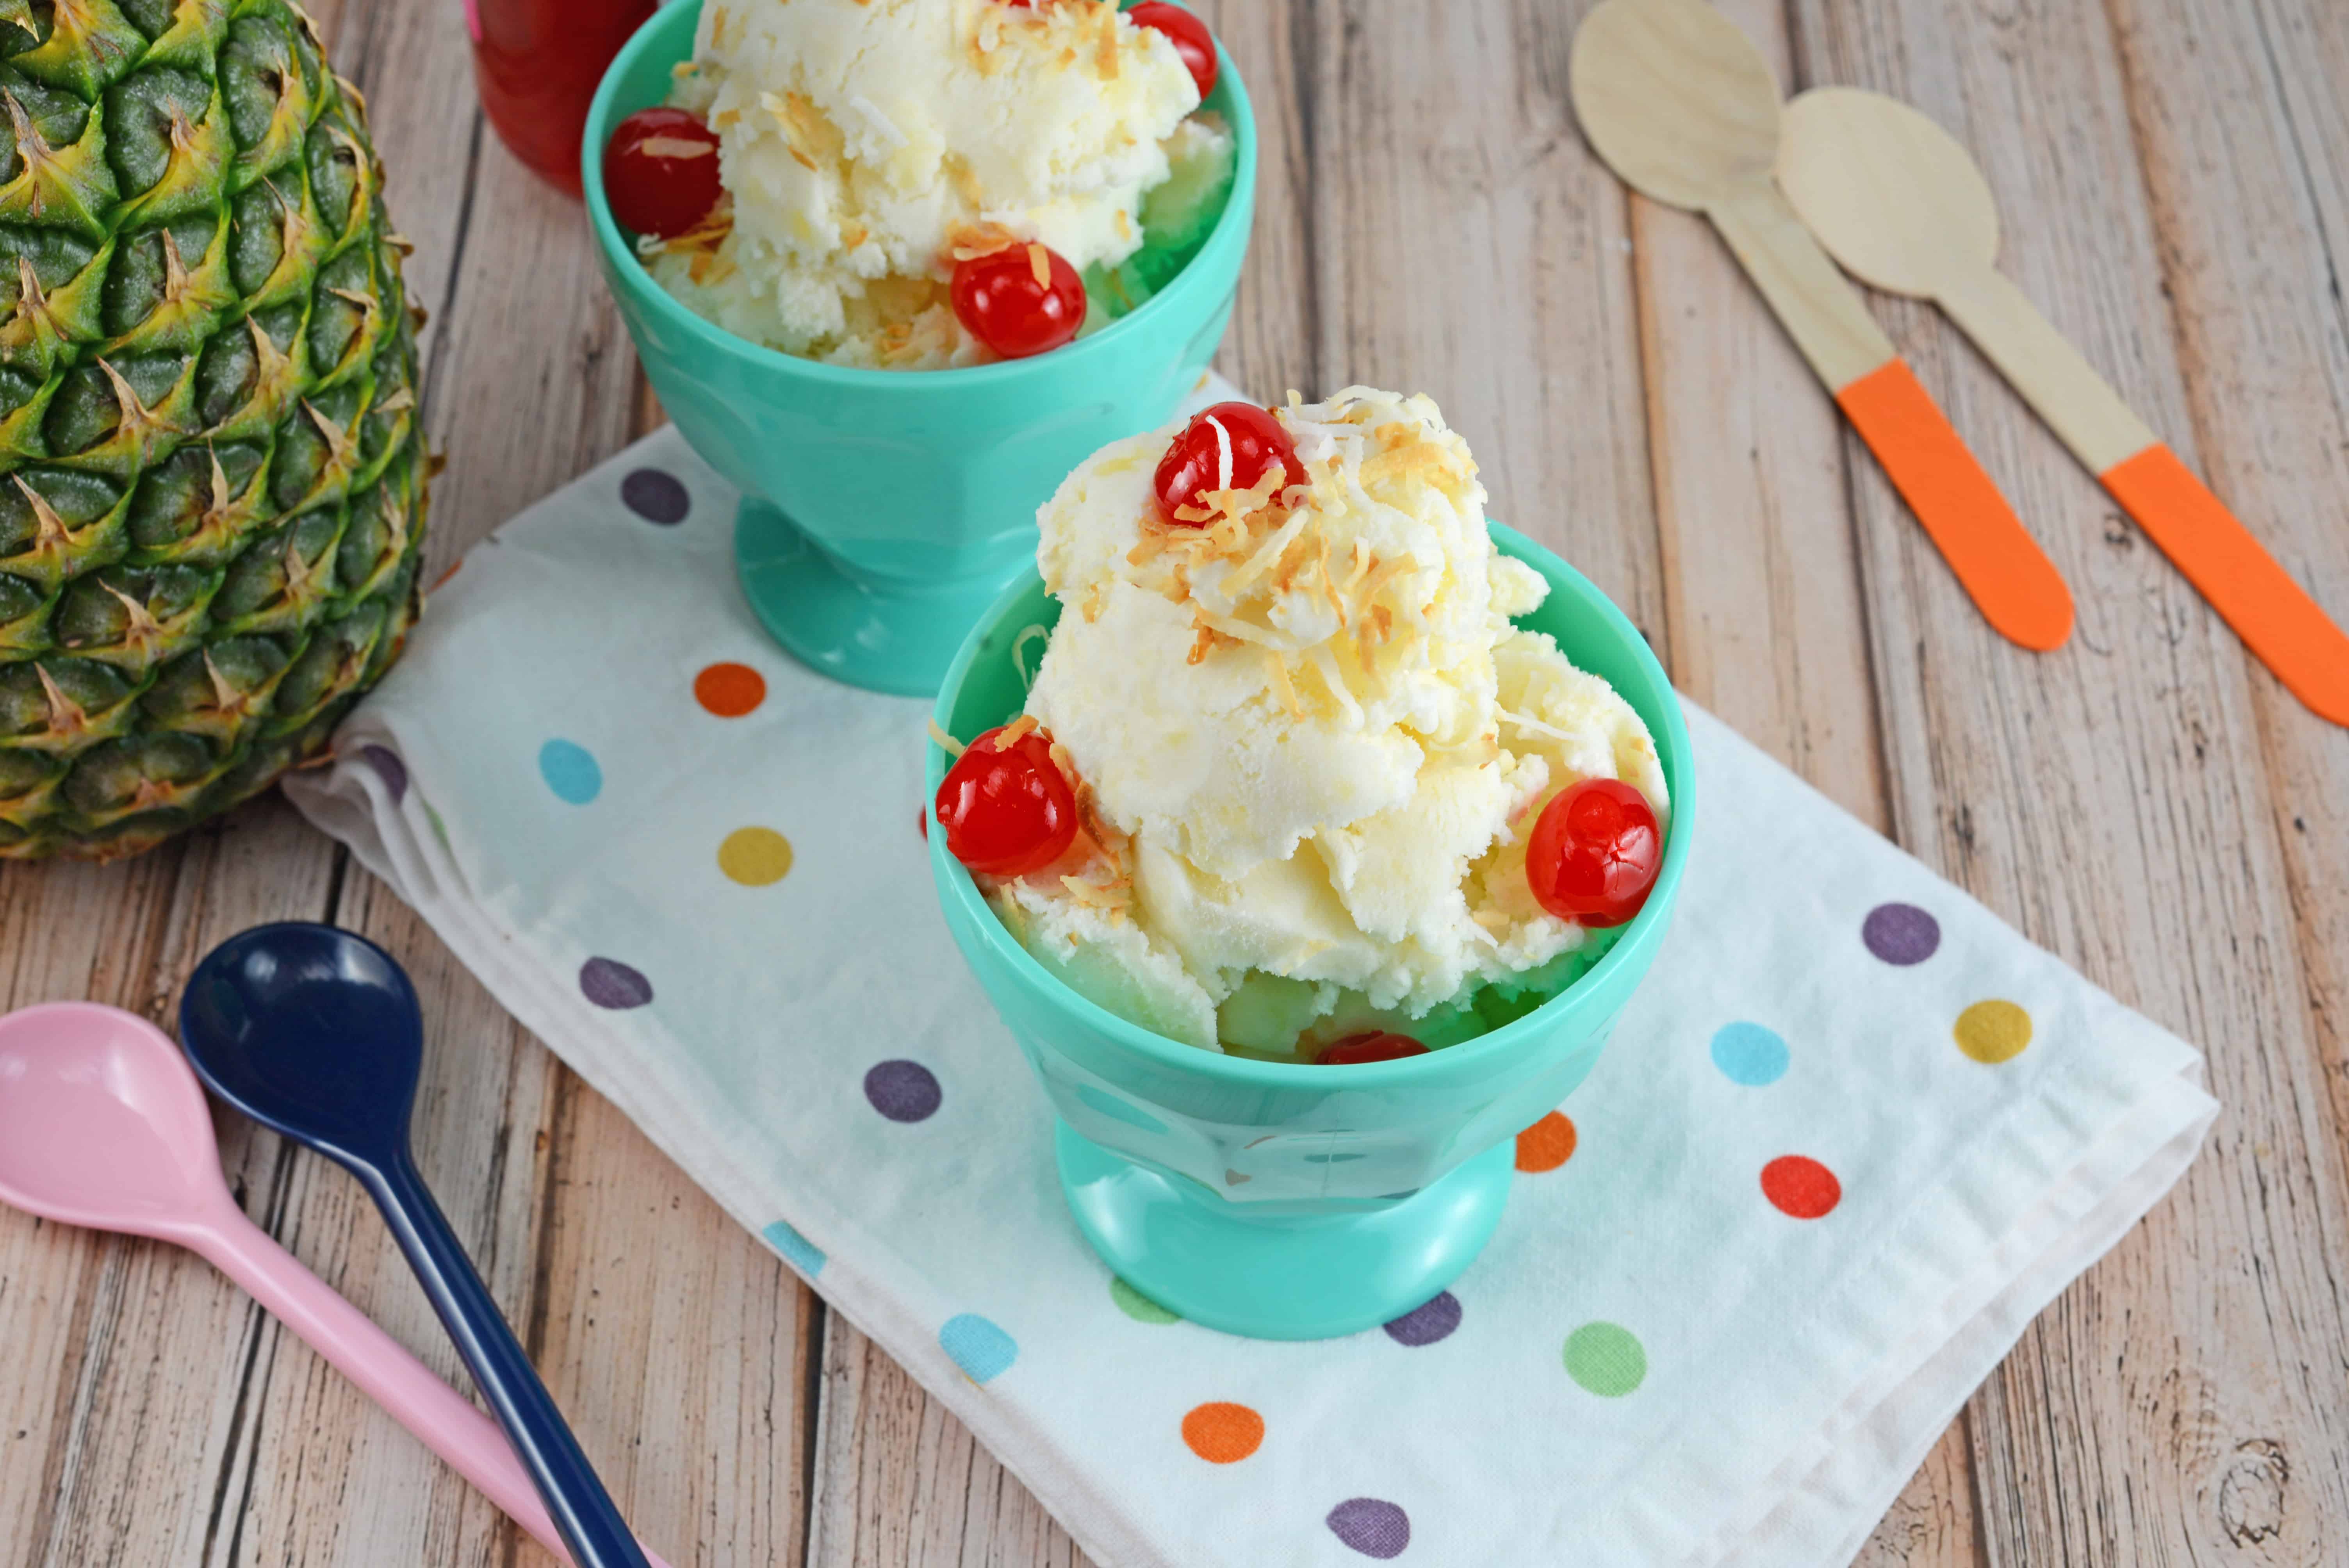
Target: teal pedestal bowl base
1279	1276
887	637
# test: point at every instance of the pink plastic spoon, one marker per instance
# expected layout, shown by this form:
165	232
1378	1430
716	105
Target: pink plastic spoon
102	1125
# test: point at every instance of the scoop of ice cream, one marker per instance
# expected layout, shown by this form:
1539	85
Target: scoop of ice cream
865	142
1313	740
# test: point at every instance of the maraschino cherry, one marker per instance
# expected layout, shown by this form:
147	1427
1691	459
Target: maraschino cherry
1005	304
1594	852
1193	461
1370	1045
660	171
1187	34
1007	810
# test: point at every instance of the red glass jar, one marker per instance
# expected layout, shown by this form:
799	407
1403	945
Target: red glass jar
537	64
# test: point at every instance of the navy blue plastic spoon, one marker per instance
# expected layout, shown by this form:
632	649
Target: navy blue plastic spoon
316	1033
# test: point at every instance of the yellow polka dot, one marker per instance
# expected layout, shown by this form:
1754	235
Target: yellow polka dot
756	857
1993	1031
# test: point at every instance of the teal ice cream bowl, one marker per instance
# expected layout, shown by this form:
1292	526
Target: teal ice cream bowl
1279	1199
884	509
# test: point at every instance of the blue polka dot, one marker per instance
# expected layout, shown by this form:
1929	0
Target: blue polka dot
798	1251
570	771
982	1351
1749	1054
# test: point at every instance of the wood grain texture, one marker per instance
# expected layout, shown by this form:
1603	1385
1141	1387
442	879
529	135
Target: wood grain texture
2149	803
161	1420
2117	805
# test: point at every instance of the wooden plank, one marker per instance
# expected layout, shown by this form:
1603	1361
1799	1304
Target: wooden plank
1764	607
123	1405
1472	247
903	1484
1767	623
677	1335
2253	216
2113	800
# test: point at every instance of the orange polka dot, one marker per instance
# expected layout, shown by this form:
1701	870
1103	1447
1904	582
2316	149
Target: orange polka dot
1547	1144
729	691
1222	1434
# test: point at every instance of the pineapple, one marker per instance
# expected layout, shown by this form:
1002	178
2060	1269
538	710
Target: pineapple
211	479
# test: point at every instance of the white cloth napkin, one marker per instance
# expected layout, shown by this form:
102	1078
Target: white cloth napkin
1851	1134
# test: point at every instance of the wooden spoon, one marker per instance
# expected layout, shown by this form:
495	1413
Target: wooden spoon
1683	107
1904	208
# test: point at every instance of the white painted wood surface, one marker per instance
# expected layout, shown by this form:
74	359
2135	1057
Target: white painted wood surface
2174	177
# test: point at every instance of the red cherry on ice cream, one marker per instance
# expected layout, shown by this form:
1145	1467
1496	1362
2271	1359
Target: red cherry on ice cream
1371	1045
1007	810
1189	35
1012	309
660	171
1194	463
1595	852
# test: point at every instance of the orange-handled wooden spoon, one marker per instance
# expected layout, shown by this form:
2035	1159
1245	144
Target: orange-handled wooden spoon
1682	106
1902	207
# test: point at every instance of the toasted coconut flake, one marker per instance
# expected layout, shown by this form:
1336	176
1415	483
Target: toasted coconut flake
1040	265
1152	541
1266	557
1283	684
946	742
1105	54
968	242
1208	641
1012	733
1329	587
1526	722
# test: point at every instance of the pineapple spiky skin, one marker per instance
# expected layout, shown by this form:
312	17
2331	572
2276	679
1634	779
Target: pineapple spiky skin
212	475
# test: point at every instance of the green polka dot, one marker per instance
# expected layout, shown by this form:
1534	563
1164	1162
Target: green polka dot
1993	1031
1138	1307
1606	1358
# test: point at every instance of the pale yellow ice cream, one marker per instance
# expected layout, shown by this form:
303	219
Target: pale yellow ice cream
866	143
1312	740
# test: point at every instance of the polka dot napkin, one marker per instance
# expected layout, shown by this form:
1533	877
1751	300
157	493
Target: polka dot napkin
1849	1137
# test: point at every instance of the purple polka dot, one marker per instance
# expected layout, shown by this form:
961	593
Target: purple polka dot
1371	1526
903	1091
1427	1323
390	768
1900	933
608	983
657	495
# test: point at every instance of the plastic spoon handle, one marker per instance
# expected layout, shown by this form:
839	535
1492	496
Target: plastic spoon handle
583	1511
441	1420
1999	565
2277	620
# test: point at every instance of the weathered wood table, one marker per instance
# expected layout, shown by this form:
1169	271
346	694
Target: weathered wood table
2148	802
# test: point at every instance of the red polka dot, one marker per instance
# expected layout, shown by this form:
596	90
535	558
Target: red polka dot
729	691
1222	1434
1547	1144
1801	1187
